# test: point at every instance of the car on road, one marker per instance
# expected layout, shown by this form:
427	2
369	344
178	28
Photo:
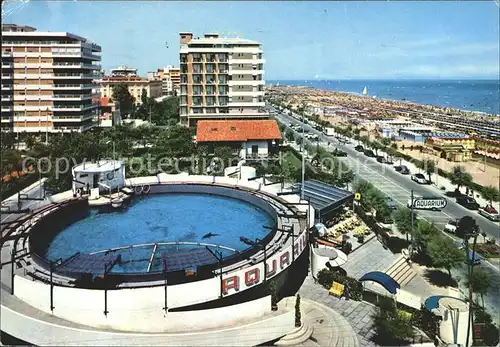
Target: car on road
381	159
404	170
338	153
359	148
391	203
467	202
369	153
419	178
490	212
451	226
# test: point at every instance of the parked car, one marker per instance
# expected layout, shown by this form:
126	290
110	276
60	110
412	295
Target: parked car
359	148
467	202
338	153
404	170
398	168
490	212
369	153
419	178
391	203
451	226
381	159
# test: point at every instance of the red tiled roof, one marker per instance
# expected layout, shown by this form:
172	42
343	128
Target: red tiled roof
236	130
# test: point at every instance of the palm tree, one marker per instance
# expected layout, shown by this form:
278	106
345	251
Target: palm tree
490	194
481	282
460	177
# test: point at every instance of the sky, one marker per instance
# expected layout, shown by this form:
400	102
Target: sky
301	40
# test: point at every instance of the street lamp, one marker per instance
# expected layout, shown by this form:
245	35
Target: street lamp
470	229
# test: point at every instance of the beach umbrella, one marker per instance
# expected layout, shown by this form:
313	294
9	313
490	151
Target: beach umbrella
339	259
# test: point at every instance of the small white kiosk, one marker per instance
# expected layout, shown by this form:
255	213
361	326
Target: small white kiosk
104	177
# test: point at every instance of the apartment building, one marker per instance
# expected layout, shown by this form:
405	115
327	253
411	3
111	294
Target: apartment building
135	84
220	78
170	77
48	81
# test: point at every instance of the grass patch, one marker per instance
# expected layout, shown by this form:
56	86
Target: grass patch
289	158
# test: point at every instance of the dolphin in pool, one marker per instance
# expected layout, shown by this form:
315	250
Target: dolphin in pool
206	236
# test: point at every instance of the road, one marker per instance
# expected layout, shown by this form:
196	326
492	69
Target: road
394	184
398	187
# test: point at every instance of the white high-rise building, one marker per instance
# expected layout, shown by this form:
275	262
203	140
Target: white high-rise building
221	78
48	81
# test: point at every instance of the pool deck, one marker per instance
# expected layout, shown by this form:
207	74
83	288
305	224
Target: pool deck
43	328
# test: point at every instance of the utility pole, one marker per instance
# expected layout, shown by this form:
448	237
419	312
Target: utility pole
470	265
303	161
412	223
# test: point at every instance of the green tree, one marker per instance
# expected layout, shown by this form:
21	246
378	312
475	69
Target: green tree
392	326
444	253
289	135
402	218
386	141
423	233
466	225
7	140
125	101
460	177
144	97
481	282
429	166
490	194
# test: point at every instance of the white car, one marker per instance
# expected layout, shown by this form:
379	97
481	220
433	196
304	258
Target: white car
419	178
451	226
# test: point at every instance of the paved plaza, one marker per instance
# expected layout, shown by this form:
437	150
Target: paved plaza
357	313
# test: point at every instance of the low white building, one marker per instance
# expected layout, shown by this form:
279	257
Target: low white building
105	175
250	139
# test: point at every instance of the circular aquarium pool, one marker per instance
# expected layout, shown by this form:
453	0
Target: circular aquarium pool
163	225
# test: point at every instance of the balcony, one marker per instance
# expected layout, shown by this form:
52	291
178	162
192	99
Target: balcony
74	107
247	104
246	93
245	72
7	108
247	83
7	76
7	97
246	61
7	64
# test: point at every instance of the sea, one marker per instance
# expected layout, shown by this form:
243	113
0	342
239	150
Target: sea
468	95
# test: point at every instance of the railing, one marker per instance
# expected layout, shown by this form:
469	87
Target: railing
39	42
73	85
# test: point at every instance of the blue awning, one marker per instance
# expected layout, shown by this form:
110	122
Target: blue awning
432	302
383	279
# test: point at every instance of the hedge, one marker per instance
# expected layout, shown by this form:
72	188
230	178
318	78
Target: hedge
12	187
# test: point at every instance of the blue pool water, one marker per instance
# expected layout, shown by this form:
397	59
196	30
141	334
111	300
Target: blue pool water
163	218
